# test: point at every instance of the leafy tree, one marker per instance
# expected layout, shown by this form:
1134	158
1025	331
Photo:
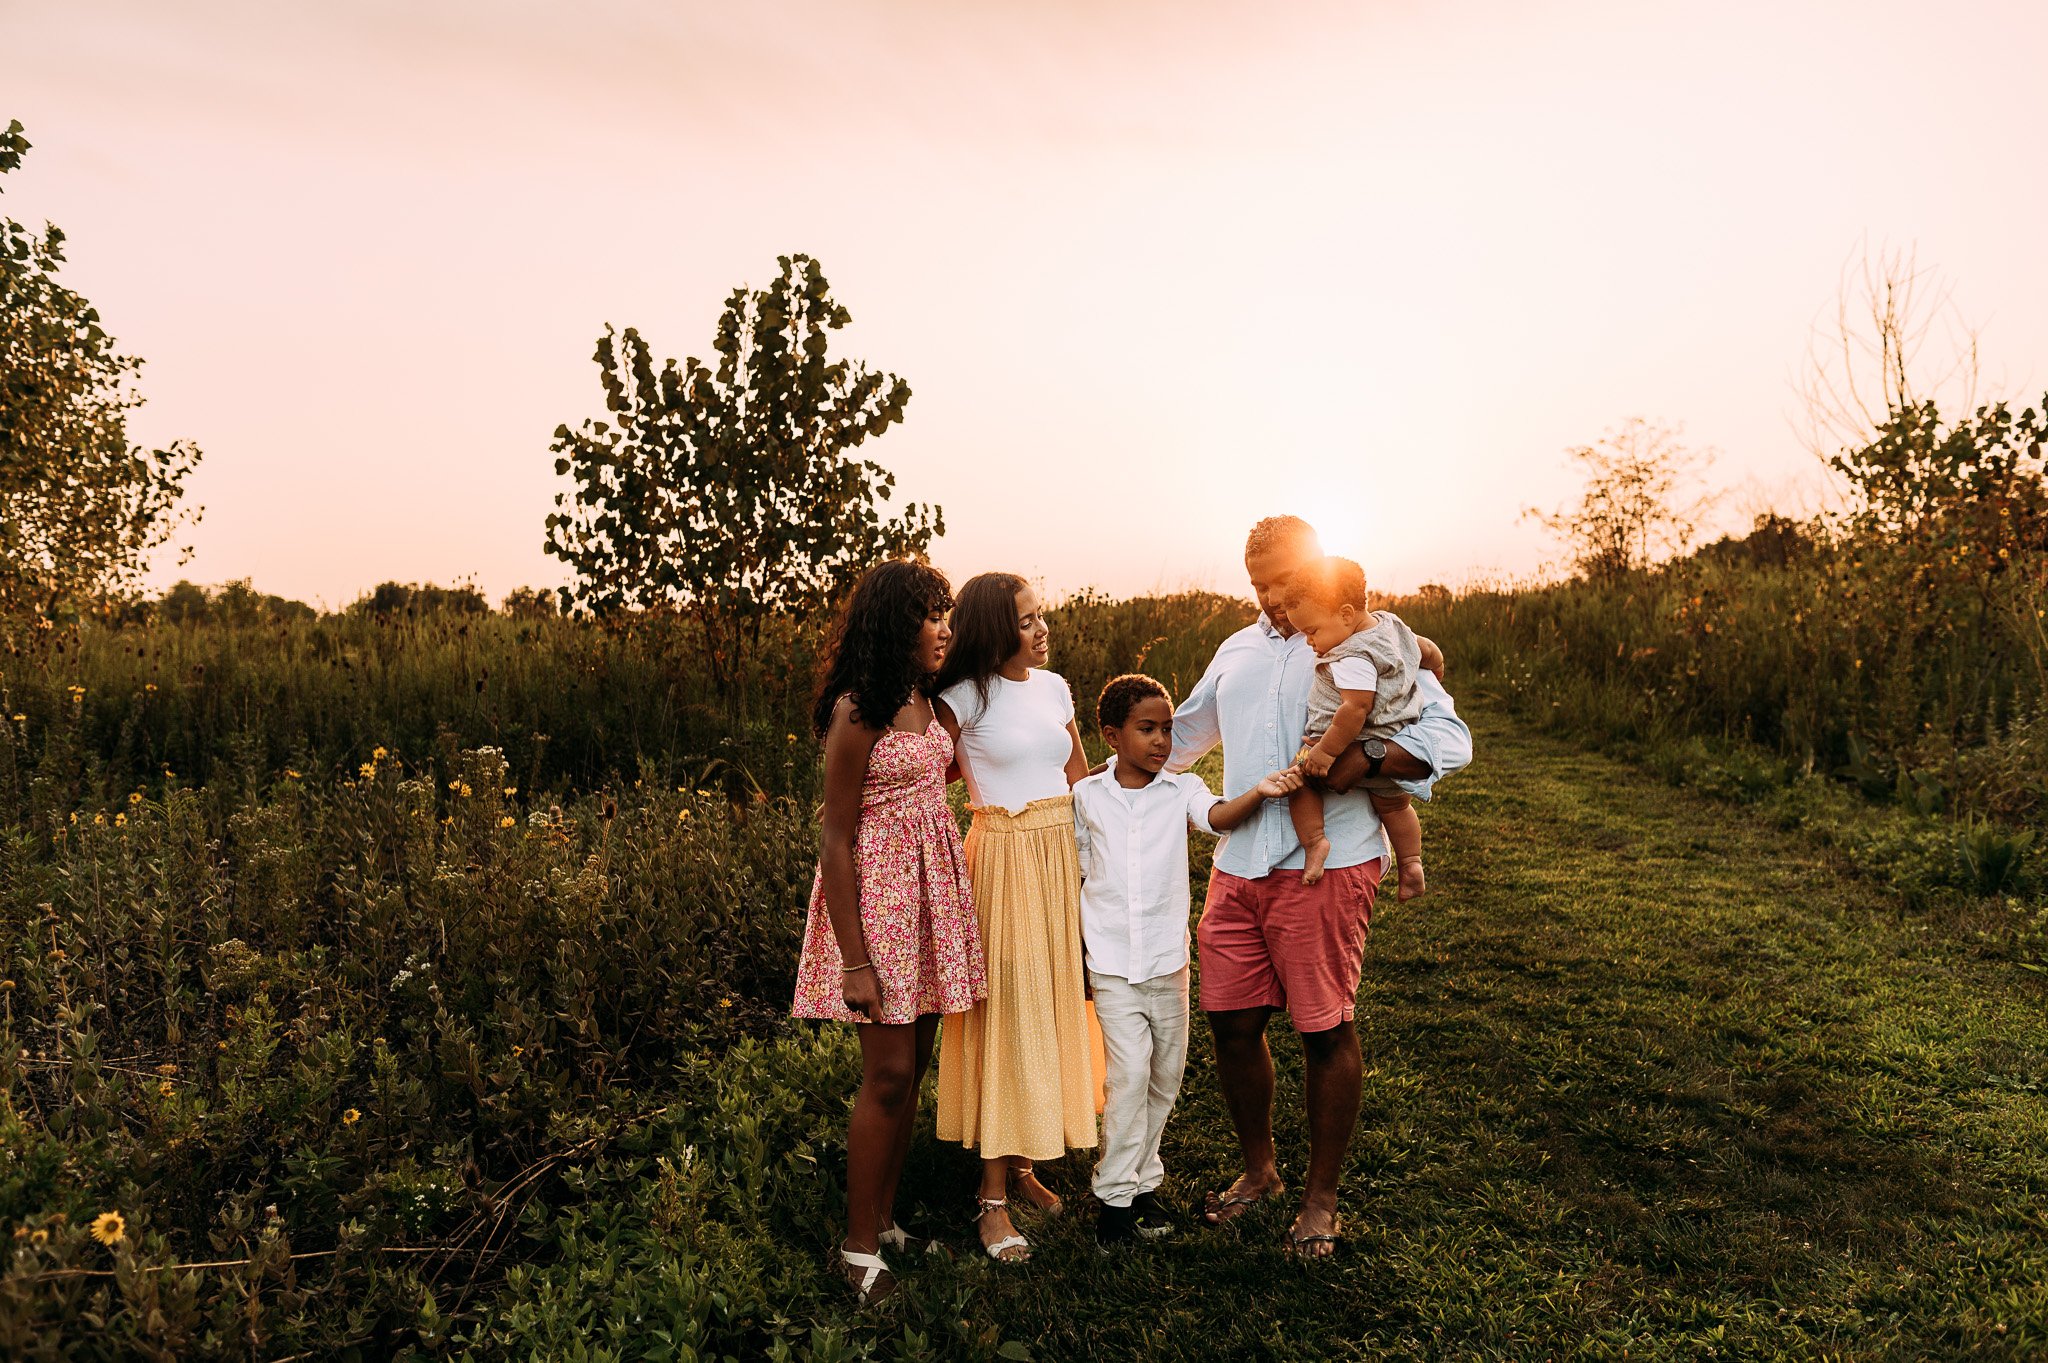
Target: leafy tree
528	603
726	491
392	599
80	508
1642	500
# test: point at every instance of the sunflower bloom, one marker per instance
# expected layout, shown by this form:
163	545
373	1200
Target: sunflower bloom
109	1227
351	1117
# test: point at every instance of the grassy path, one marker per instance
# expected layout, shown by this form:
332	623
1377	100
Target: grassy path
1644	1078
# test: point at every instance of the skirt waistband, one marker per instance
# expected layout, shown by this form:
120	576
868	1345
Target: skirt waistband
1051	812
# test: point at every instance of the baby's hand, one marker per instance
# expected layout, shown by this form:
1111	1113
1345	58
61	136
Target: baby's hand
1280	784
1315	762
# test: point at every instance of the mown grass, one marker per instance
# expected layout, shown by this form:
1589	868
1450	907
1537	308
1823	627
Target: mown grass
1645	1079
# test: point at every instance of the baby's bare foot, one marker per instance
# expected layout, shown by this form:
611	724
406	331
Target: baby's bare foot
1313	857
1414	884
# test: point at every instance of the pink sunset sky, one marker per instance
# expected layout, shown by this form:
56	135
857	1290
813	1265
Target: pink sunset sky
1151	270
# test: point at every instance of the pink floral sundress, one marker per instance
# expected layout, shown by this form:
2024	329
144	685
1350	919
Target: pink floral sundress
916	908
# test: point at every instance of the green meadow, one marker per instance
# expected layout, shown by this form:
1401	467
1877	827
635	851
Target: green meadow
411	984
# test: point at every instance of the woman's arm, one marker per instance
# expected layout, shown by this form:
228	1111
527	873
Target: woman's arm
1077	757
848	746
1345	727
1225	815
944	714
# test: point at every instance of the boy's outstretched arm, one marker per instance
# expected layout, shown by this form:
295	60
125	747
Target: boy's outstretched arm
1432	656
1225	815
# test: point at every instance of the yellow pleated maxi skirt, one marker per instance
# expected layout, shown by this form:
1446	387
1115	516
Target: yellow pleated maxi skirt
1020	1073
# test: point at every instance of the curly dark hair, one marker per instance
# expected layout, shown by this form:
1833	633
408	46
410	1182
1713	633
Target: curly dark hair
1329	582
984	632
1122	695
869	656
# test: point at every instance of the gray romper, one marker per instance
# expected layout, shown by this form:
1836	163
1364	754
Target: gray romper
1391	648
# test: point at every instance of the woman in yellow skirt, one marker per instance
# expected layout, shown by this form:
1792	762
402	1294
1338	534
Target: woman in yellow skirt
1017	1080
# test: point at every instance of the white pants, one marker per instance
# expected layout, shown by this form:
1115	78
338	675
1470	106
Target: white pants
1145	1038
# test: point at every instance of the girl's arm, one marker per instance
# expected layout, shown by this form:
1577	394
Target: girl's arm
1225	815
1345	727
848	745
944	714
1077	758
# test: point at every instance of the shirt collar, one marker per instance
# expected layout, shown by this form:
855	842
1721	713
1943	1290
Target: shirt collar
1108	777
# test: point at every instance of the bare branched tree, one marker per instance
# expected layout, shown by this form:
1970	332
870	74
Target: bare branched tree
1894	339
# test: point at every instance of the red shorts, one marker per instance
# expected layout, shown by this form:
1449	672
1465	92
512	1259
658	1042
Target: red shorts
1275	943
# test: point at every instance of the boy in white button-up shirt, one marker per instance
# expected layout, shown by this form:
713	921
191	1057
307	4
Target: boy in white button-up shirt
1131	823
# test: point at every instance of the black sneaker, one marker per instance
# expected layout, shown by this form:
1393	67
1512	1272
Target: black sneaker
1116	1227
1153	1220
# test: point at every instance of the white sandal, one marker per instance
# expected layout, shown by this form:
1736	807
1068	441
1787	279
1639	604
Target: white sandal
1021	1172
901	1240
982	1207
873	1268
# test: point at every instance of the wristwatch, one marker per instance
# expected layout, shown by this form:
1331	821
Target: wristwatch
1375	753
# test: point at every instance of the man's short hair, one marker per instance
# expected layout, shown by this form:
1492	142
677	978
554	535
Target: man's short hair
1284	534
1122	695
1329	582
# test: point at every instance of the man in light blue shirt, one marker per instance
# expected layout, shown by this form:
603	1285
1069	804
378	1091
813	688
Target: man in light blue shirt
1266	941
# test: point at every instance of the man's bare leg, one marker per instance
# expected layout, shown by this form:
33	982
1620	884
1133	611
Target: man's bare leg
1244	1068
1335	1071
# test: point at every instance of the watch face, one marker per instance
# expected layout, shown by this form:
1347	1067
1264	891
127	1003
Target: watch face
1374	748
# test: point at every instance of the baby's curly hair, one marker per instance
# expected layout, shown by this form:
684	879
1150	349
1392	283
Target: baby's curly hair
1122	695
1329	582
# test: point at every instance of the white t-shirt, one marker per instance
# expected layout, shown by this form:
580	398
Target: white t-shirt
1355	674
1014	748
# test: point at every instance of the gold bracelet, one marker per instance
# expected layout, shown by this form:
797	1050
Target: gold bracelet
853	969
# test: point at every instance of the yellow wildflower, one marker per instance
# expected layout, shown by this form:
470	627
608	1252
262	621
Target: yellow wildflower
149	686
120	821
510	791
99	821
682	815
379	754
507	821
21	719
792	738
165	1089
463	790
725	1003
367	770
135	797
518	1051
455	784
290	775
166	1068
39	1237
351	1117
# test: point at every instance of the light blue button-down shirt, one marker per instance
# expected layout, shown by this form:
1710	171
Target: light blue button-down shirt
1254	700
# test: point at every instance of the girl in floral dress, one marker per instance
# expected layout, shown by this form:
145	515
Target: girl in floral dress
891	940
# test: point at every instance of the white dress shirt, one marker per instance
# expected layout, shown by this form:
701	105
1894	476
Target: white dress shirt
1254	700
1134	870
